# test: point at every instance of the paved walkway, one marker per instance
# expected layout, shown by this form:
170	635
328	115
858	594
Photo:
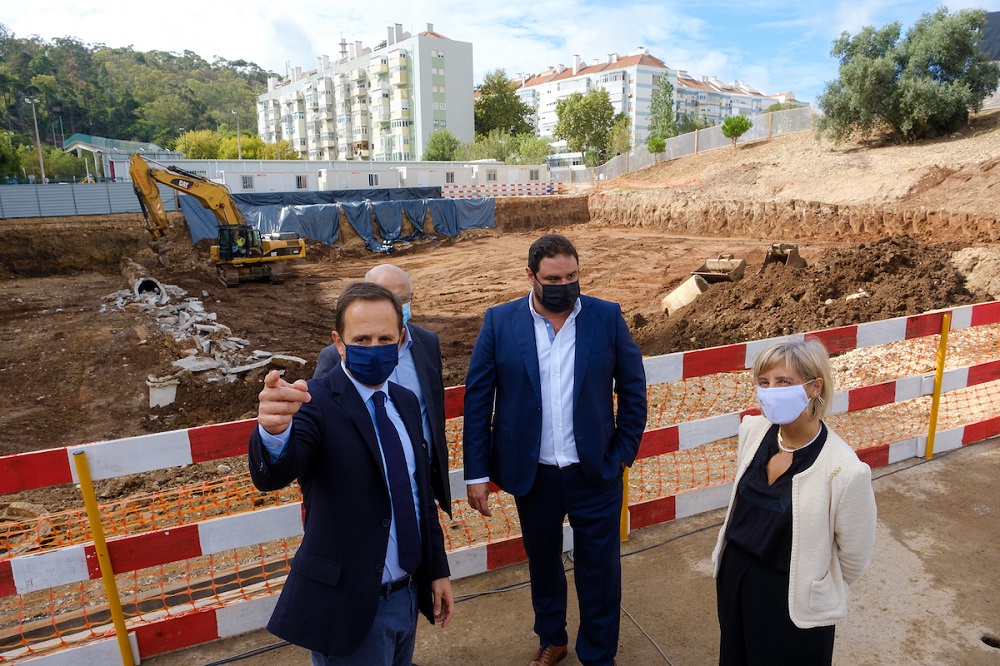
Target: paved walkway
930	597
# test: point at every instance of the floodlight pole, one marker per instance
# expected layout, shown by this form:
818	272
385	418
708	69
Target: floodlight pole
38	141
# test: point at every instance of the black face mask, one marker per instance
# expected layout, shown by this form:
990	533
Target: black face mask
559	297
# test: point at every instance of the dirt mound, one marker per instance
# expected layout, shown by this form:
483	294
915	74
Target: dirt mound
893	277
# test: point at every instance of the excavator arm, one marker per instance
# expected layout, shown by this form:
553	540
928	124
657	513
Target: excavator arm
241	252
213	196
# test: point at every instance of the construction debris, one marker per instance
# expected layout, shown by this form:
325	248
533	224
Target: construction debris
205	346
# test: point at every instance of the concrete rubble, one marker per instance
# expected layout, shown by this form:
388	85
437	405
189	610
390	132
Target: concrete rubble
206	347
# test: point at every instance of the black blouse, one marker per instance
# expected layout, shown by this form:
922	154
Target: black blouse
761	523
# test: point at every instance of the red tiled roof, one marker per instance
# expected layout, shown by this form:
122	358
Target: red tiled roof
645	60
431	34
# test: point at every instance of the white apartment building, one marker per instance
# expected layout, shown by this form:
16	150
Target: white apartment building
630	81
378	103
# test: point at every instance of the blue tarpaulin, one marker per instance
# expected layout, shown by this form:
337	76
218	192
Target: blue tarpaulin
360	216
304	198
476	213
321	221
389	215
443	215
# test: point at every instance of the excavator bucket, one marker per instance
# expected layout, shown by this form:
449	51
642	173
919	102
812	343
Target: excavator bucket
724	269
786	254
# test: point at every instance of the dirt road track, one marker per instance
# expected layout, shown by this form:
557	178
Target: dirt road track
929	598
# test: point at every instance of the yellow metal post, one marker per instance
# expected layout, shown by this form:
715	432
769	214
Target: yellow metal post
103	558
938	378
623	527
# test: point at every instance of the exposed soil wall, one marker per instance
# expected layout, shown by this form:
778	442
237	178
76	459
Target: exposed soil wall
678	213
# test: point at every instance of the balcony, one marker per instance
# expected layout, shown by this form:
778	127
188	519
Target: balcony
358	91
399	78
378	68
358	74
400	113
380	114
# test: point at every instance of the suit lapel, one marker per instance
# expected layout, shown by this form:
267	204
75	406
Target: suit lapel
350	400
420	363
524	336
584	327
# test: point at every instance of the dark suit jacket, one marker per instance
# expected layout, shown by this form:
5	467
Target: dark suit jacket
329	600
503	442
426	351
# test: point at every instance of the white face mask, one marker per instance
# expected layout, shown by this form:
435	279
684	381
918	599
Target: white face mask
783	404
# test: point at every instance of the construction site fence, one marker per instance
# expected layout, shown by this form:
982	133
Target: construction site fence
205	561
765	126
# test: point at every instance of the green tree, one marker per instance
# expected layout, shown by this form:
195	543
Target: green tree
585	121
441	146
920	86
690	123
656	145
662	120
200	145
282	150
10	164
783	106
499	108
531	149
498	145
734	127
620	137
63	166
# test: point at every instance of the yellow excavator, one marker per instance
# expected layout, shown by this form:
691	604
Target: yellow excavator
242	253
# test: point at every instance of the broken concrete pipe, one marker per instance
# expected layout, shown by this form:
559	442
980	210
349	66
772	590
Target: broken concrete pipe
143	285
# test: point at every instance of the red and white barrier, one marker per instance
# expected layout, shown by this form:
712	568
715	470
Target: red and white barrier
28	573
494	190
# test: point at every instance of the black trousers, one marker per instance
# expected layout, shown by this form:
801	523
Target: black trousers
594	514
753	618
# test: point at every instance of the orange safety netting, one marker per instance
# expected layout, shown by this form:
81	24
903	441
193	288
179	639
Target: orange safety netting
52	619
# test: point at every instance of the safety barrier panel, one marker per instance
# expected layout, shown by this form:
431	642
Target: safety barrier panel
501	190
205	561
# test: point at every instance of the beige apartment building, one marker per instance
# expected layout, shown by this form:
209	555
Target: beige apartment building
379	103
630	81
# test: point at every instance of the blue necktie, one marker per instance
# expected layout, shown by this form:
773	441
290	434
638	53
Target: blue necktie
403	512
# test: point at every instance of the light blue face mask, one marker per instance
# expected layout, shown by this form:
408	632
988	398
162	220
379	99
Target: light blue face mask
406	313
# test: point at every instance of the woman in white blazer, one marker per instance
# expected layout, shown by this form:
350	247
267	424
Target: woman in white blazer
801	520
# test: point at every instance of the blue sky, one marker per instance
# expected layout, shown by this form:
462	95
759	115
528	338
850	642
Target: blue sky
775	45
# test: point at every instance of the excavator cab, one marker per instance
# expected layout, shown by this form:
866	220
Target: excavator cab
239	242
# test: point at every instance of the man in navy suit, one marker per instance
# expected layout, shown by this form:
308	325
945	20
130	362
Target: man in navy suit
419	370
372	553
540	422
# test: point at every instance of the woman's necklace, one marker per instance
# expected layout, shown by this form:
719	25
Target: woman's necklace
781	444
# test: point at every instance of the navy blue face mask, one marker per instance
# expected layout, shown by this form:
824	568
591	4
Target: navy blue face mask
371	365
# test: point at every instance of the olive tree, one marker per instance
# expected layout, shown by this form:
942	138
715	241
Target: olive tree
921	85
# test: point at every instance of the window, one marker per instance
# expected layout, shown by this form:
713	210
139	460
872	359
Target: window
449	177
301	182
491	175
373	180
533	174
247	182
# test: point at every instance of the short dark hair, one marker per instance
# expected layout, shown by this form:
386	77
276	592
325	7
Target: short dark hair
548	246
368	292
